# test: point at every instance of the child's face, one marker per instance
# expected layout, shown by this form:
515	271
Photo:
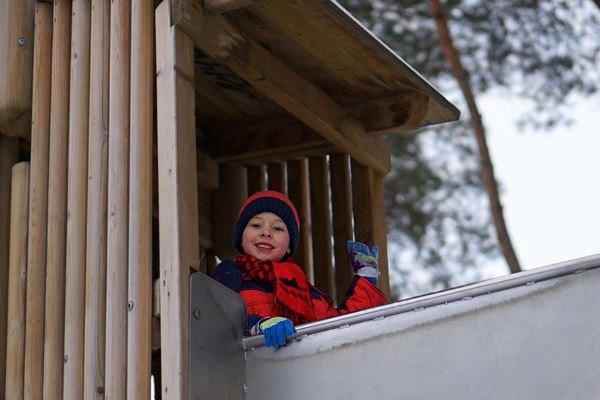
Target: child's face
266	237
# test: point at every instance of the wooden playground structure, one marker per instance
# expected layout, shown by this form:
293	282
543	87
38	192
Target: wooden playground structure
131	132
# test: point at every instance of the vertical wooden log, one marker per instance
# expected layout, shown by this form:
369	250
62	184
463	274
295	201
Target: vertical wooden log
77	201
299	193
8	156
276	172
17	282
16	53
57	202
341	206
178	214
118	201
321	222
369	216
256	179
38	203
228	199
139	322
95	272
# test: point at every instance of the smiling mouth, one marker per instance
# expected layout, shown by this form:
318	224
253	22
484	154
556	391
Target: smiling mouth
264	246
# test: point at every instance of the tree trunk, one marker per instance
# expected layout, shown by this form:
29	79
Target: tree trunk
486	168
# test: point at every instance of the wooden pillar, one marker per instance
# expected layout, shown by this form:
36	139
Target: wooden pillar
321	223
227	200
17	282
8	156
139	334
299	193
178	214
341	206
118	201
76	201
97	189
38	203
369	216
256	179
54	324
276	172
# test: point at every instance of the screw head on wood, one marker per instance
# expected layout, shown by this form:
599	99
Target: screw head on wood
22	42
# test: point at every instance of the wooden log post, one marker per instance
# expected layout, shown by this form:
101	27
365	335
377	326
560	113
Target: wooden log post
256	179
177	181
228	198
341	206
118	201
54	324
139	321
76	201
8	156
97	190
277	173
322	230
16	53
369	216
17	282
38	203
299	193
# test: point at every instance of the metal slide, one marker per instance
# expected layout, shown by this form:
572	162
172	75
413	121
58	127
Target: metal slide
532	335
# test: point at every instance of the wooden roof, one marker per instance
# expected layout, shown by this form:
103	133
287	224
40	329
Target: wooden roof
266	63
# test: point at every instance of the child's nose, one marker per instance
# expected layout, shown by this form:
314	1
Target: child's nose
266	232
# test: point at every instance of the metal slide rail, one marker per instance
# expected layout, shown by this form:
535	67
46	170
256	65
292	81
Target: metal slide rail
448	296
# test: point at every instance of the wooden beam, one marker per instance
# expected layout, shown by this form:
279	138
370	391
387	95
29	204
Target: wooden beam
54	325
370	225
9	147
76	201
38	203
277	173
17	282
223	6
256	179
95	279
177	181
139	317
231	194
299	193
281	83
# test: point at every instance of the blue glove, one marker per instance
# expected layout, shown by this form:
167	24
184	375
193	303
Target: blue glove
364	260
276	331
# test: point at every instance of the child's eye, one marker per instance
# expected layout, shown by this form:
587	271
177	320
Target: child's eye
255	225
278	229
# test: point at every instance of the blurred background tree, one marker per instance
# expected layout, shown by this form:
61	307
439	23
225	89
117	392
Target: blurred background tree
441	230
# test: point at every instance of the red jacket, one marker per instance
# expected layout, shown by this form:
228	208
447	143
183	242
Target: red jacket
259	297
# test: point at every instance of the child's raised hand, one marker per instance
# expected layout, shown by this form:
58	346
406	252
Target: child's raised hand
276	331
364	260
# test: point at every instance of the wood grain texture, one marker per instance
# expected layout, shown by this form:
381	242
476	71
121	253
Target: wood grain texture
17	282
38	203
77	201
54	324
139	322
97	192
178	213
277	177
117	238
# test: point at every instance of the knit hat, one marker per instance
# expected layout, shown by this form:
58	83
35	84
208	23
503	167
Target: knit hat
268	201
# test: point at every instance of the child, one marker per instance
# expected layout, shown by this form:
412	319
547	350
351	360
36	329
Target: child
274	288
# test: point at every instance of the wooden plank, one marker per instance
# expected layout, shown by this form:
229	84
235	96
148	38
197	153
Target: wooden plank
205	223
139	322
54	325
95	278
232	192
299	194
251	61
369	216
8	156
118	201
341	206
208	171
17	282
38	203
277	174
322	232
77	201
178	213
16	52
257	181
222	6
